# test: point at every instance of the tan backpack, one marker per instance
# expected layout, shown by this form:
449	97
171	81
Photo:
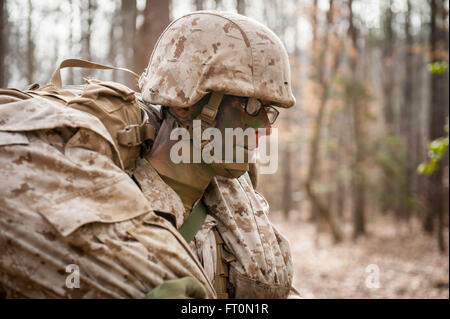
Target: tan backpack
114	104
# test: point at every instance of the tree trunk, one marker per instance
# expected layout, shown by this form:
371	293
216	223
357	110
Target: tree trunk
314	156
388	83
240	6
71	77
418	130
406	121
128	41
437	112
219	4
113	40
86	18
198	5
30	45
3	42
357	108
156	19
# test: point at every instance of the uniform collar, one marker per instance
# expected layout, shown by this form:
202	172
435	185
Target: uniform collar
161	197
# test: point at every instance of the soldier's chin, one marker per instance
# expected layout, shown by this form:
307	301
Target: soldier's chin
230	170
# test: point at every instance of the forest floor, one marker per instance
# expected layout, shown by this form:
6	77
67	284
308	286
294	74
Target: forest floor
407	261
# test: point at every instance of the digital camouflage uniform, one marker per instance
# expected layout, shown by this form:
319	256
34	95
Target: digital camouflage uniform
64	199
259	257
260	265
67	199
212	51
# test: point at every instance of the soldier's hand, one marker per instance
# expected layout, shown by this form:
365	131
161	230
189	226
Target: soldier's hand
184	288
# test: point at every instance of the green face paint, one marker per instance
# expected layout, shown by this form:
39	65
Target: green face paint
232	115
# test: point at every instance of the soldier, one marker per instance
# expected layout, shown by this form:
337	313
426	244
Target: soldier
228	71
68	200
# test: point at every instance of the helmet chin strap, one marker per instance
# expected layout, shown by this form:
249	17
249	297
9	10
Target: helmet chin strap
208	115
209	111
208	119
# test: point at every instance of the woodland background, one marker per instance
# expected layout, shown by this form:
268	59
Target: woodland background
364	170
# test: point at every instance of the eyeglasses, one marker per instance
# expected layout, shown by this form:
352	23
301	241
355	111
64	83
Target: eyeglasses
254	106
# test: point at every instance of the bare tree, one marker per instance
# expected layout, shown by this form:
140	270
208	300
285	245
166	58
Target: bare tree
113	39
30	45
87	11
323	82
388	57
240	6
71	77
406	120
437	112
219	4
156	18
128	40
3	42
388	105
357	109
198	5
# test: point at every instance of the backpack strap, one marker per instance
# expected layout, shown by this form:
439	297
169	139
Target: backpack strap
78	63
221	282
193	222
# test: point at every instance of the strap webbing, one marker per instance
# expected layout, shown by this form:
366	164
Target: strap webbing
193	222
136	134
209	111
78	63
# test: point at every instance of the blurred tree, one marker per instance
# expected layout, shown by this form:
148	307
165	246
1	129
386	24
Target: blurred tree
114	39
357	107
289	122
219	4
406	128
156	18
128	41
30	45
319	48
388	57
420	112
198	5
388	105
439	54
71	78
240	6
3	42
87	11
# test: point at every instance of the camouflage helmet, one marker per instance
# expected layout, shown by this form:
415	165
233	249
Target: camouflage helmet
212	51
